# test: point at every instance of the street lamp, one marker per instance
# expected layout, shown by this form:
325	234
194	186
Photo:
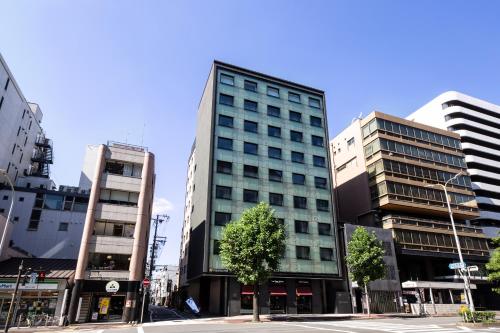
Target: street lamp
462	264
4	234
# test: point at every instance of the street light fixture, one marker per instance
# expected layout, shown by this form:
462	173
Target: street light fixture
3	172
462	269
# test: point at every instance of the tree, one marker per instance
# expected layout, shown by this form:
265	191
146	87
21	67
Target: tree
251	248
365	259
493	265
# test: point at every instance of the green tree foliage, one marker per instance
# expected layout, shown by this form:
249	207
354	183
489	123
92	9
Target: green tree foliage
493	265
251	248
365	259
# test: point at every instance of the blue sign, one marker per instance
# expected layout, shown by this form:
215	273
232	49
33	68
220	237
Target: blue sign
457	265
192	305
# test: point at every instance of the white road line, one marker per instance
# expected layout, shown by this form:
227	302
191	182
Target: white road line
317	328
140	329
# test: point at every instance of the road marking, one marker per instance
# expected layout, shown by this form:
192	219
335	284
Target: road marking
318	328
140	329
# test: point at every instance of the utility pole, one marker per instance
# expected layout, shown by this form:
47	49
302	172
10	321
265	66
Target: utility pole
156	239
14	295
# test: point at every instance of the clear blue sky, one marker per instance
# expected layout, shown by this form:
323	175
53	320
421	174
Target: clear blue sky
105	70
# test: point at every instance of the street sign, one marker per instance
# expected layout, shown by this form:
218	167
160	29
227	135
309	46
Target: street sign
146	282
473	268
456	265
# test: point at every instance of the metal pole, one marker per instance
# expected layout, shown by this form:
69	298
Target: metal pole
143	301
11	307
4	234
63	307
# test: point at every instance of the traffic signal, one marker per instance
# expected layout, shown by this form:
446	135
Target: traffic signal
41	276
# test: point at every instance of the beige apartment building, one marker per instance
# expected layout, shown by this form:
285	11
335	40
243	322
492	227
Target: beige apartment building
385	171
112	256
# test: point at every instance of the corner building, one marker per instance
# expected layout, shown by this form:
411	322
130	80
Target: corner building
260	138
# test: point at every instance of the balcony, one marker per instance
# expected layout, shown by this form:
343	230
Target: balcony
106	275
111	244
122	183
105	211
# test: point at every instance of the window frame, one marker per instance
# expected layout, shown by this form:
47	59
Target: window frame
226	96
231	77
246	192
295	116
245	87
229	119
247	144
250	129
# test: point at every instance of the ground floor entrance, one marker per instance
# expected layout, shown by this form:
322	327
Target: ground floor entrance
106	307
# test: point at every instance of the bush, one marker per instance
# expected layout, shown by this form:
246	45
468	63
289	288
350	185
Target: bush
477	316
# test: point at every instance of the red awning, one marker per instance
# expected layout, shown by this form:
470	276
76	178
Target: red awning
304	291
247	290
277	291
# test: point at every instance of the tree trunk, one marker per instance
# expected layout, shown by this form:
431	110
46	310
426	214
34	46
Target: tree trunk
256	309
367	300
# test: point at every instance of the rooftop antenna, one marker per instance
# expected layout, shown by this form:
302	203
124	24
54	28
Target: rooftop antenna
360	117
142	136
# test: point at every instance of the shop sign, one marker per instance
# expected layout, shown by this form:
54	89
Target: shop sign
104	305
278	281
29	286
112	287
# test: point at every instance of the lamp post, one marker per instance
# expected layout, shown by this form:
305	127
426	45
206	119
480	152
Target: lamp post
4	234
463	269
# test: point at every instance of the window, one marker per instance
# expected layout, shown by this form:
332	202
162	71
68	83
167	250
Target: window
227	79
325	254
273	152
223	192
300	202
316	121
319	161
21	199
324	229
276	199
297	157
314	103
216	247
54	201
274	131
113	197
250	195
222	218
224	143
295	116
224	167
273	92
63	226
273	111
5	197
250	85
280	221
303	252
225	121
317	141
296	136
123	169
298	179
7	83
250	148
322	205
275	175
226	99
350	142
251	126
250	105
301	227
293	97
320	182
250	171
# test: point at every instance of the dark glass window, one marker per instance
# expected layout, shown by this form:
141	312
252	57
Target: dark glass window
316	121
226	99
301	227
274	131
298	179
250	85
272	91
273	111
227	79
275	175
276	199
293	97
224	167
295	116
320	182
250	196
250	148
222	218
303	252
250	105
297	157
322	205
296	136
317	140
326	254
223	192
280	221
225	121
324	229
273	152
314	103
250	171
224	143
216	247
300	202
319	161
251	126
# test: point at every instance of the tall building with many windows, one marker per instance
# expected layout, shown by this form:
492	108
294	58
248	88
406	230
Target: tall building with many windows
260	138
478	123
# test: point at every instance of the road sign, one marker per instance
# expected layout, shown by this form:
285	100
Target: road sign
146	282
473	268
456	265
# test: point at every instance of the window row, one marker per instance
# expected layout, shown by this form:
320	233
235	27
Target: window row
117	197
272	111
411	132
123	169
252	171
272	152
442	240
272	91
105	228
61	202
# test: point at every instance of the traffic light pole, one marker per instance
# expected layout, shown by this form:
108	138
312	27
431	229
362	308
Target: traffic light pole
11	307
156	221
